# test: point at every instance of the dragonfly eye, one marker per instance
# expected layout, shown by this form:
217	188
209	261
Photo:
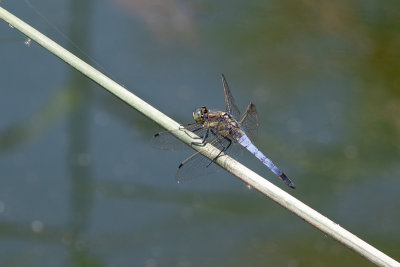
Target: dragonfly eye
198	114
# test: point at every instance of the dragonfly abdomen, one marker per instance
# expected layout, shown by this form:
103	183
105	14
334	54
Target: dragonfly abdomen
245	141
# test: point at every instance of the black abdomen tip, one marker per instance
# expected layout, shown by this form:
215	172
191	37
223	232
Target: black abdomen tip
287	181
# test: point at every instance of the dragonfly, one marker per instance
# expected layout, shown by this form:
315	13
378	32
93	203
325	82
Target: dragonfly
223	130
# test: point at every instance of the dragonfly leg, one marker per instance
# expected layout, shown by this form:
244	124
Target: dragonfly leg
222	145
203	141
193	131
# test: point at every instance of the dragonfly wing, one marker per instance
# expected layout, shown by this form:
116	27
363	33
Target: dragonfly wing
199	165
249	122
167	140
194	166
230	104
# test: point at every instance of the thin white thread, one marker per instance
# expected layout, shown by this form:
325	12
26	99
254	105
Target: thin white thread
67	38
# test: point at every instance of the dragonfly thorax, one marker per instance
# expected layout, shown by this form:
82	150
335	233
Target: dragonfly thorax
200	115
223	123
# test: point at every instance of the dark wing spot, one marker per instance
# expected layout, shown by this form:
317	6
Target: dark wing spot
251	107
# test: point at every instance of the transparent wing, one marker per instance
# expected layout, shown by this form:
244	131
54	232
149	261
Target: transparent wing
249	122
194	166
198	165
230	104
166	140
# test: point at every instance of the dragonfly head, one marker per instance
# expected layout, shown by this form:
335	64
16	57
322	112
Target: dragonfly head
200	115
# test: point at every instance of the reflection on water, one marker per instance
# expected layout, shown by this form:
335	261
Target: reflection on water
82	186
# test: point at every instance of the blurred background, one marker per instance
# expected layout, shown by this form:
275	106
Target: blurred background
81	185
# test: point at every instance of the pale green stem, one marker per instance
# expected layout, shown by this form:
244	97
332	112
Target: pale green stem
249	177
